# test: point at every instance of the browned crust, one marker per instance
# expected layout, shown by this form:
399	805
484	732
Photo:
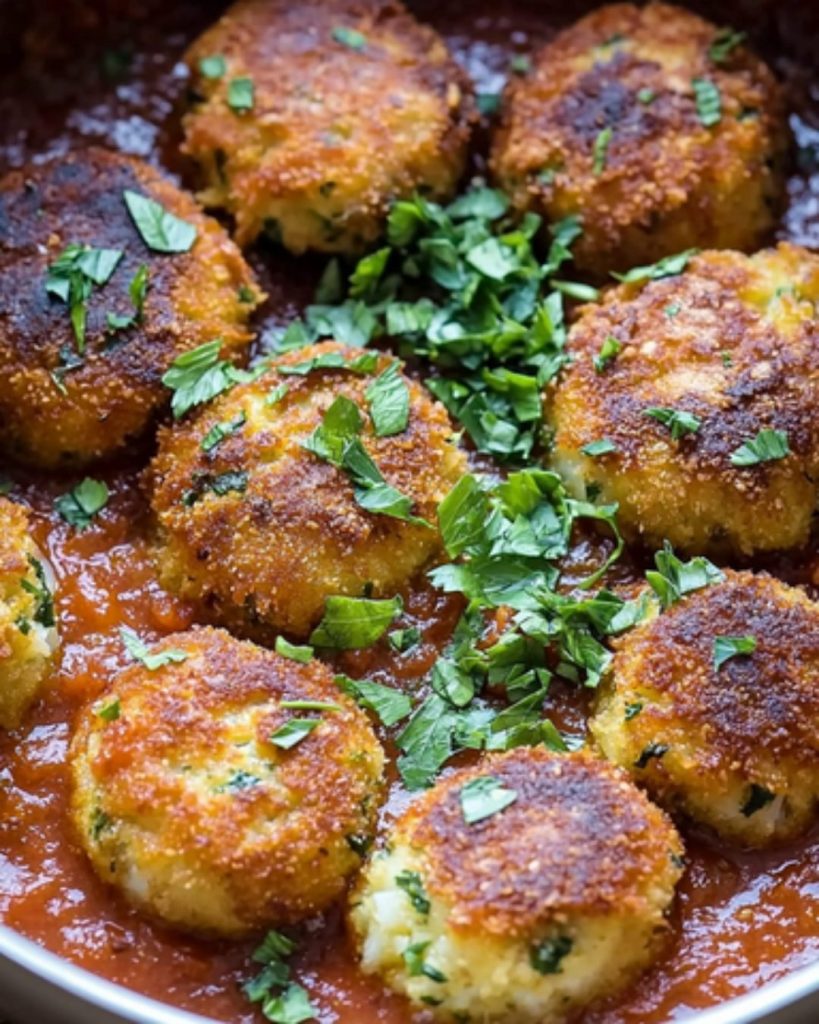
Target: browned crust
402	105
669	182
678	361
192	298
296	534
757	711
321	791
14	530
579	839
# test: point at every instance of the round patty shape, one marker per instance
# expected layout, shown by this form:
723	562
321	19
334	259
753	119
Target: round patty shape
260	531
189	798
655	129
68	400
526	914
317	115
733	743
28	634
731	342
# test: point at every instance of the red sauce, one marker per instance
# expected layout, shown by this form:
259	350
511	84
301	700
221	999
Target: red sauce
741	918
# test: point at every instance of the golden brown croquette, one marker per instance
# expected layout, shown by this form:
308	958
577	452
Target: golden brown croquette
724	354
69	398
530	912
191	796
309	119
259	531
653	129
733	743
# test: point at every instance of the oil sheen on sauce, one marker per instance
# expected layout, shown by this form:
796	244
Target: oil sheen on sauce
108	73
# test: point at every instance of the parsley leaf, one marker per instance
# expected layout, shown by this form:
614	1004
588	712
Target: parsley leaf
484	797
41	591
79	506
412	884
724	43
240	95
678	422
350	623
669	266
727	647
109	710
600	150
389	400
294	652
417	966
219	431
602	447
364	363
213	67
390	705
673	578
283	1001
708	100
293	732
349	37
609	351
160	230
72	276
140	652
546	957
197	376
767	446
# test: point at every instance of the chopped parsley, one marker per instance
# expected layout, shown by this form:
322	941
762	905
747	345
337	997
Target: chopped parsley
44	613
767	446
240	95
727	647
417	966
282	1000
197	376
350	623
337	440
389	400
363	364
600	150
140	652
213	67
293	732
402	640
137	291
609	351
79	506
72	277
679	422
230	482
462	290
708	100
673	578
159	229
668	266
109	710
293	652
520	64
646	96
349	37
389	705
413	886
633	710
602	447
219	431
546	957
724	43
484	797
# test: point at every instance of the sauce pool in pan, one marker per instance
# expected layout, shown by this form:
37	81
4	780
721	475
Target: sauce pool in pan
741	919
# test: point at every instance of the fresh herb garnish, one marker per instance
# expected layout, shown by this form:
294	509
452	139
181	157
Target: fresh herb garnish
669	266
44	613
416	965
159	229
219	431
109	710
389	400
349	37
390	705
547	956
364	363
633	710
402	640
337	440
767	446
79	506
484	797
651	752
293	732
413	886
678	421
72	276
708	100
602	447
350	623
727	647
140	652
240	95
600	150
213	67
197	376
724	43
609	351
137	290
646	95
293	652
673	578
282	1000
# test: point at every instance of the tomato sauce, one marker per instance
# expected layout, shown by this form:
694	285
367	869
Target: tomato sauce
74	77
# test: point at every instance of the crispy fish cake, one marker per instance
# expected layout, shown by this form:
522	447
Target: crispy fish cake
660	131
531	912
310	118
75	392
28	633
733	743
193	794
260	531
724	356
